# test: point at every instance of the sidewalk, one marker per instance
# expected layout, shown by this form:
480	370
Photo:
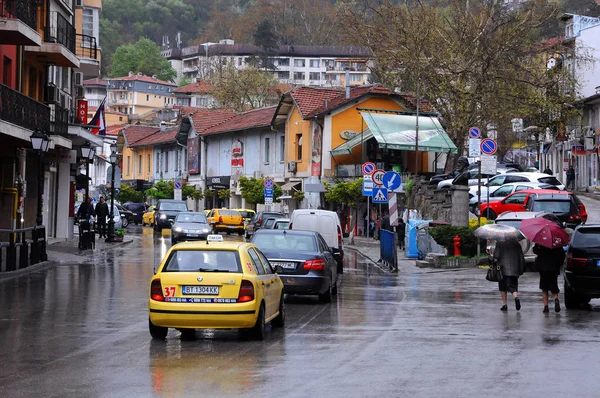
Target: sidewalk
369	248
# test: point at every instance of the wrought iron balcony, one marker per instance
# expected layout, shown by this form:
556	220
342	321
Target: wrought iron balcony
23	10
59	120
60	31
24	111
86	47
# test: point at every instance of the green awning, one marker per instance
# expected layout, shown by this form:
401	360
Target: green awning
393	131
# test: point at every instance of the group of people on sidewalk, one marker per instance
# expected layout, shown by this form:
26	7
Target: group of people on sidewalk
509	255
100	213
376	224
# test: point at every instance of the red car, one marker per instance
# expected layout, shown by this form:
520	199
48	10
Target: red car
517	201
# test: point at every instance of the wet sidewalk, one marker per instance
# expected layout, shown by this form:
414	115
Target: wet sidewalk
369	247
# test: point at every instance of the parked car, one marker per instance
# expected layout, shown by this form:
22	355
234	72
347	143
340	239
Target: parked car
496	182
126	215
582	266
148	216
473	179
189	226
166	211
215	285
307	264
138	210
281	223
564	205
325	222
256	222
268	223
226	220
516	201
506	190
246	214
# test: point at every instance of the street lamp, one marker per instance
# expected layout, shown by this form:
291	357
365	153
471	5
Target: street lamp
40	142
113	165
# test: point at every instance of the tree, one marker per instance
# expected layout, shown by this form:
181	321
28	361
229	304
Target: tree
479	63
253	190
128	194
184	81
349	195
240	89
143	56
165	190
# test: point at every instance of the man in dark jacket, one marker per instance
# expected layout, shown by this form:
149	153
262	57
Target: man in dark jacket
548	263
401	231
102	214
571	178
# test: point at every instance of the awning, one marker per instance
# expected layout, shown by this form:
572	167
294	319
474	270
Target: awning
393	131
289	185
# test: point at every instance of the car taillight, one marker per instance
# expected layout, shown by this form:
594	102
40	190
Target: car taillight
314	265
575	217
246	292
574	262
339	237
220	219
582	212
156	292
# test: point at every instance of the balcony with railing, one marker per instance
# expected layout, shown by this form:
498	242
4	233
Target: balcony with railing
59	120
23	111
19	22
86	47
58	47
60	31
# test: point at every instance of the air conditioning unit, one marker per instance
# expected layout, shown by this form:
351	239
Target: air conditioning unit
51	94
258	174
292	167
78	79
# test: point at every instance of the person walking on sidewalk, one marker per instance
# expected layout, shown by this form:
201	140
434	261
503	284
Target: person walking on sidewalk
509	255
571	178
548	263
401	231
101	215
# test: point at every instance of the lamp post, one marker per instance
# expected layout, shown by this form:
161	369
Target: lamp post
111	221
88	153
40	142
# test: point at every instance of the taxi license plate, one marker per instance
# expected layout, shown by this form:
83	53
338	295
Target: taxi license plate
193	235
200	290
283	265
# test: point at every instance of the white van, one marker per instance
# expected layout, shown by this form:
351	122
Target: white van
325	222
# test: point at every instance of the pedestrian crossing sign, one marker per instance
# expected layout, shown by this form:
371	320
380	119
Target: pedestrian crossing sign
380	195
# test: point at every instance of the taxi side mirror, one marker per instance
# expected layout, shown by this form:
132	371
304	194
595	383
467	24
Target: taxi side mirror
278	269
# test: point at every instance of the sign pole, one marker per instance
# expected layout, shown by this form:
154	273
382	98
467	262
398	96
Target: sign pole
478	204
368	215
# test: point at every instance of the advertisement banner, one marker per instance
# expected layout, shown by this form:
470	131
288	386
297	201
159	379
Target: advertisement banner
193	155
317	141
82	111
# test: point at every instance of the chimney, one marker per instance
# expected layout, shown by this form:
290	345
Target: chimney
153	77
130	74
347	83
140	74
163	127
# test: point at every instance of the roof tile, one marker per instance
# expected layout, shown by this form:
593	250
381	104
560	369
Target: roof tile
201	87
252	119
142	78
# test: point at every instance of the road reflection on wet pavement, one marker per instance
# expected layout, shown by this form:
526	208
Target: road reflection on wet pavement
81	329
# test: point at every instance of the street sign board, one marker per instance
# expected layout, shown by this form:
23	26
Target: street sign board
117	177
368	177
474	132
474	147
367	188
177	184
378	177
177	194
488	146
368	168
380	195
489	164
268	183
269	201
392	180
268	192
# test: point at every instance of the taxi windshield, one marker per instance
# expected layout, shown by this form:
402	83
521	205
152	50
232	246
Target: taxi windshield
203	261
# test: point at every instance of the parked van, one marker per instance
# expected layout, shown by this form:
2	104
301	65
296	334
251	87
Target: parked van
325	222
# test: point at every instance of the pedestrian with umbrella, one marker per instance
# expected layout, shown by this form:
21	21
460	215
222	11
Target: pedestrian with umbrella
508	254
549	239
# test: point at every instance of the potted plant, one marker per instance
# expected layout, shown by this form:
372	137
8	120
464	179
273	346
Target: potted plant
119	234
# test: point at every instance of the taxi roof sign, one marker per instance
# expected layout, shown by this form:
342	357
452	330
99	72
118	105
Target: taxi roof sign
214	238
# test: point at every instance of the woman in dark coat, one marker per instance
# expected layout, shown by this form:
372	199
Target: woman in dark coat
548	263
509	255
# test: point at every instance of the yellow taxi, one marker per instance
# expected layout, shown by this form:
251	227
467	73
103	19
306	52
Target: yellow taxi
226	220
215	285
148	216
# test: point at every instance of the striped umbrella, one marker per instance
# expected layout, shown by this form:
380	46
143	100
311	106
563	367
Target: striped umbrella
498	232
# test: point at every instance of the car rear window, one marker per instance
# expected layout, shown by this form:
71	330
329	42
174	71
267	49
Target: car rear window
168	206
282	225
228	213
199	218
552	206
586	237
136	207
203	261
549	180
511	223
285	241
246	214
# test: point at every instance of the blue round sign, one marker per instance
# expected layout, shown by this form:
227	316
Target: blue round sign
488	146
177	184
268	183
392	180
474	132
368	168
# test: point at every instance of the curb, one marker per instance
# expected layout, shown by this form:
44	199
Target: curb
375	263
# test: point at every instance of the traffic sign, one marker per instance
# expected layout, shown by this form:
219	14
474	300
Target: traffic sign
392	180
378	177
368	168
489	164
268	201
268	192
380	195
177	184
268	183
488	146
177	194
474	147
474	132
367	188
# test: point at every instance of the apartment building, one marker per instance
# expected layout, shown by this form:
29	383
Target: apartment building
140	97
320	66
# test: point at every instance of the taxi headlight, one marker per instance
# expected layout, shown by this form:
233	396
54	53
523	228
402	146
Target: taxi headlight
205	230
163	216
178	229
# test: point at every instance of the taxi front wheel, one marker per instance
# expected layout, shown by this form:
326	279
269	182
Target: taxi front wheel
157	332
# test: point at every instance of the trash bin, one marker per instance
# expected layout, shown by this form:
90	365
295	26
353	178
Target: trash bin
87	235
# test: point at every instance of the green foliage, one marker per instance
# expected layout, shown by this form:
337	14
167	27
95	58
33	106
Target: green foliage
408	187
120	232
165	190
444	235
189	191
185	81
143	56
298	195
128	194
224	194
347	193
253	190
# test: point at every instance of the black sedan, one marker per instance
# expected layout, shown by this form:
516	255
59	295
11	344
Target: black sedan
303	261
189	226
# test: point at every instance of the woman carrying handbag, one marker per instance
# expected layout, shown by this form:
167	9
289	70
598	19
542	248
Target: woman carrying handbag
508	254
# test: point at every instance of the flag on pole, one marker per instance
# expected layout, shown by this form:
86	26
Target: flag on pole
99	120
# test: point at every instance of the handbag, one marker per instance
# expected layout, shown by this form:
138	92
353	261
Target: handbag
494	274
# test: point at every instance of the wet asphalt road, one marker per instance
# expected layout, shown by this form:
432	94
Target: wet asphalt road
81	330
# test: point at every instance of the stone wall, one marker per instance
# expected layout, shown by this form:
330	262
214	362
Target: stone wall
434	204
